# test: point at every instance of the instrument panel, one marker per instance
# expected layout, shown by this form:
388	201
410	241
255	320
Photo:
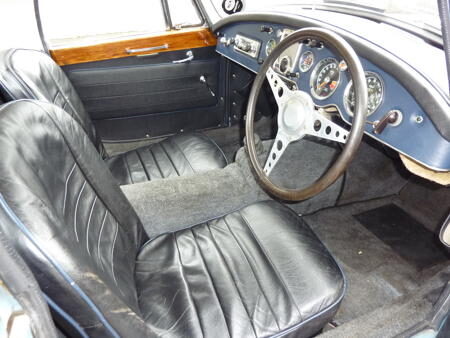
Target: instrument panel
314	67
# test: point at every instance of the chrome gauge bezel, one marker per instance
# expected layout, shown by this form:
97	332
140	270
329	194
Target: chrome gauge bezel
267	45
288	65
347	92
314	75
302	57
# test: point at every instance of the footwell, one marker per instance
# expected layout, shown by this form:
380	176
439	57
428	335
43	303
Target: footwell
404	234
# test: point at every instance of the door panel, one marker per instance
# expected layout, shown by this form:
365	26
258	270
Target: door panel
139	97
133	94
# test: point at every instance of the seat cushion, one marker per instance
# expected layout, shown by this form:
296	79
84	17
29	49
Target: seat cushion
177	155
259	271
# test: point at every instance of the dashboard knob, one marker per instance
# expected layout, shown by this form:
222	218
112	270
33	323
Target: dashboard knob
223	40
246	47
393	117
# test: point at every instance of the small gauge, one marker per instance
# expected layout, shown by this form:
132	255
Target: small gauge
270	46
343	66
375	93
325	78
285	64
306	61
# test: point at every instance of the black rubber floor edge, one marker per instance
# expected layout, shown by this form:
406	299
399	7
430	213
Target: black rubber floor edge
405	235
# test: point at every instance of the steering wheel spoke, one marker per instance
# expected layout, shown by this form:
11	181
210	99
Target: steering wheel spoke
280	90
319	126
278	147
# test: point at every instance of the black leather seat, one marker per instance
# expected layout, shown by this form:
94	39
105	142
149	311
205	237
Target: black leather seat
31	74
259	271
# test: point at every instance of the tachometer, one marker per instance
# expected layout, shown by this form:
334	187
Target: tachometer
271	44
325	78
306	61
375	93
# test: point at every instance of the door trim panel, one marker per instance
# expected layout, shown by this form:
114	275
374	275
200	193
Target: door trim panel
175	39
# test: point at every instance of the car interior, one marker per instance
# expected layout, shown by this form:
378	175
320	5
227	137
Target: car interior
273	173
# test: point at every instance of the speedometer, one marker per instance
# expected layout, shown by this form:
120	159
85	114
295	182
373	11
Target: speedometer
325	78
375	93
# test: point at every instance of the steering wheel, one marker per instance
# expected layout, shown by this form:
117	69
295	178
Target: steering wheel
298	116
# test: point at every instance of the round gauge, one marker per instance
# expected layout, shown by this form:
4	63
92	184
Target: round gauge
285	64
375	93
271	44
325	78
306	61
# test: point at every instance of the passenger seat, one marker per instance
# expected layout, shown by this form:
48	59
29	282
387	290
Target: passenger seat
31	74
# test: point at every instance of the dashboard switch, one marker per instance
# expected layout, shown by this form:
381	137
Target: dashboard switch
266	29
227	42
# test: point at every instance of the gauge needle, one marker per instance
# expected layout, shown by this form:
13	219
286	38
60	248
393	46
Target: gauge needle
323	84
327	80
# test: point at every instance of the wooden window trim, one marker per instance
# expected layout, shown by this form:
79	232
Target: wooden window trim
176	40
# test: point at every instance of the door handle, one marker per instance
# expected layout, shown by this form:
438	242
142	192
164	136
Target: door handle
190	57
205	82
147	49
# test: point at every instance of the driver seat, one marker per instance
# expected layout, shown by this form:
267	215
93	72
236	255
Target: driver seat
256	272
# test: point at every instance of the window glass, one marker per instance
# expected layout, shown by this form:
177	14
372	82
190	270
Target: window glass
77	22
184	13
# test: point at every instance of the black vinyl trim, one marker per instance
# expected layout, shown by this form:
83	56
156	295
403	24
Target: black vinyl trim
158	92
130	117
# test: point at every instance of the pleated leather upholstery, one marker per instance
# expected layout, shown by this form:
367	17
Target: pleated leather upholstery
178	155
259	271
31	74
256	272
57	184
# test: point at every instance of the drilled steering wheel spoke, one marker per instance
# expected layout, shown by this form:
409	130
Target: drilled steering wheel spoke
280	90
278	147
319	126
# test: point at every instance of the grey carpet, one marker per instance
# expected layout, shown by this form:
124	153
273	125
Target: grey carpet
376	274
175	203
372	174
194	199
393	319
302	164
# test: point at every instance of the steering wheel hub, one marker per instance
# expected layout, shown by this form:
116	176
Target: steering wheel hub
292	115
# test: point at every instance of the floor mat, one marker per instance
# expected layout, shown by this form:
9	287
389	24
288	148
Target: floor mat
404	234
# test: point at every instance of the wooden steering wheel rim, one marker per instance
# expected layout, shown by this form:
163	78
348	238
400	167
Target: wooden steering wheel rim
357	130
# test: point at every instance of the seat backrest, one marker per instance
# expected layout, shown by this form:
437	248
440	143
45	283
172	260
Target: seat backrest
63	200
32	74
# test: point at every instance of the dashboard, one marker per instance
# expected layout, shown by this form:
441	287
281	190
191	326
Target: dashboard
314	67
